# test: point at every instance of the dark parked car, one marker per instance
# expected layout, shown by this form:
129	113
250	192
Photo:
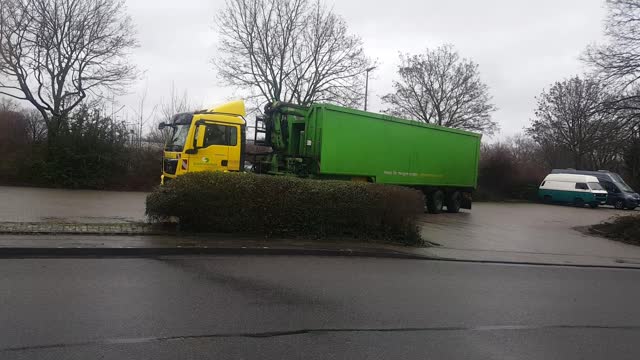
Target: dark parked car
620	195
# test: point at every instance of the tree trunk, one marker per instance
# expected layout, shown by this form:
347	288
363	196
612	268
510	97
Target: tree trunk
577	160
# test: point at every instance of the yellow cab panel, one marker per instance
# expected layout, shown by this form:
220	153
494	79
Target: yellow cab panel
211	140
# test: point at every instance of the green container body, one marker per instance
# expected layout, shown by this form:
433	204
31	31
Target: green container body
348	142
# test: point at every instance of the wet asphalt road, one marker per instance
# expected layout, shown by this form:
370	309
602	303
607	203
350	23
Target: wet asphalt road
276	307
527	228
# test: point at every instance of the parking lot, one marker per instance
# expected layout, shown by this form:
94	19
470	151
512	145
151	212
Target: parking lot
526	228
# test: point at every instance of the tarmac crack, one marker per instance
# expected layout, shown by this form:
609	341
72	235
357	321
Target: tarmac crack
272	334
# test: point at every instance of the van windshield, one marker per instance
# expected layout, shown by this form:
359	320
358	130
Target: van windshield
624	187
621	184
595	186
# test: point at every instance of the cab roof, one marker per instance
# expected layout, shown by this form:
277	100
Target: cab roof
233	112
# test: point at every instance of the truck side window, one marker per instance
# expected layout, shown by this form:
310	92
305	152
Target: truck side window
582	186
220	135
232	135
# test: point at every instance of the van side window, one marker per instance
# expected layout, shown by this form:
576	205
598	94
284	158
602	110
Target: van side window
582	186
607	185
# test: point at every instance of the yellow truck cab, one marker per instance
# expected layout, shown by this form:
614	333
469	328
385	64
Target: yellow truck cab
207	140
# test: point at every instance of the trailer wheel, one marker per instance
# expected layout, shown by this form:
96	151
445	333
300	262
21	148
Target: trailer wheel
435	202
453	202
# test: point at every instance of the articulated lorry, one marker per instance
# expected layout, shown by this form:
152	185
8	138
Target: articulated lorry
330	142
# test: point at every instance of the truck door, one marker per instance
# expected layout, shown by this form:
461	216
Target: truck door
214	141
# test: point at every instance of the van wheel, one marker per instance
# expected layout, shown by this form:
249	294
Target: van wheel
435	202
593	205
453	202
547	199
578	202
619	204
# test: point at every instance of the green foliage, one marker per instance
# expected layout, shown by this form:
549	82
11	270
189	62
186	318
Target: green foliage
88	151
287	206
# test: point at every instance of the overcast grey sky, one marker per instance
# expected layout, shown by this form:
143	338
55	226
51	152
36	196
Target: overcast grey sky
521	46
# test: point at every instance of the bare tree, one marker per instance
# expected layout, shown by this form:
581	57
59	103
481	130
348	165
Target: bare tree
36	127
617	62
570	115
32	122
142	118
290	50
8	104
439	87
632	158
176	103
619	58
55	53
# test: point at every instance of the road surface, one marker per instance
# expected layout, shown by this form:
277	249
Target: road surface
276	307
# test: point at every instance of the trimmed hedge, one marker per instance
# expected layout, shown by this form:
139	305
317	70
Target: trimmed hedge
288	206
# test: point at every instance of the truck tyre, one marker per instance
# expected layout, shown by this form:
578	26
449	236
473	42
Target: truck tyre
453	202
435	202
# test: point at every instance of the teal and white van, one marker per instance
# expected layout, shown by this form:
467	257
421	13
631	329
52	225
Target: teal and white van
574	189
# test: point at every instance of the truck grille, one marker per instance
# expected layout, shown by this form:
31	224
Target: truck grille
170	165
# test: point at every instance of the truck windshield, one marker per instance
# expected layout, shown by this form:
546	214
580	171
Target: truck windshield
178	138
595	186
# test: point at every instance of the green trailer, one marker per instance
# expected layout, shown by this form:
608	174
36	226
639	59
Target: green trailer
327	141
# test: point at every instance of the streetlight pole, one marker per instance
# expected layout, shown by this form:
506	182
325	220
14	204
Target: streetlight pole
366	86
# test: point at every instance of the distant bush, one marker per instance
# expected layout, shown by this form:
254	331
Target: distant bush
90	151
509	170
287	206
632	162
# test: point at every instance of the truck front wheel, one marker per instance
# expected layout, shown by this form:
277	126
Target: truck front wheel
435	202
453	202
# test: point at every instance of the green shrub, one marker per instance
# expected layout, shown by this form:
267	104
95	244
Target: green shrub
287	206
89	151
